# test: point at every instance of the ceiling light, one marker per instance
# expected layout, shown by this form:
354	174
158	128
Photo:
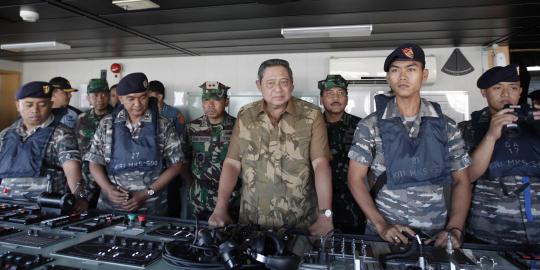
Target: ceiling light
35	46
28	14
135	4
328	31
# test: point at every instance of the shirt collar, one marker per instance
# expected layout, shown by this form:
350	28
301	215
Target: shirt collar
123	116
290	109
426	110
21	129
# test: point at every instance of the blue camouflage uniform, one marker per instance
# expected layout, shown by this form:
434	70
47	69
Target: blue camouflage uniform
421	207
503	211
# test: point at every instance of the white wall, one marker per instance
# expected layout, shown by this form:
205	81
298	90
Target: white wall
10	66
240	71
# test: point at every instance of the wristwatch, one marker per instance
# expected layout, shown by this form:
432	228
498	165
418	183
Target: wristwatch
326	213
150	191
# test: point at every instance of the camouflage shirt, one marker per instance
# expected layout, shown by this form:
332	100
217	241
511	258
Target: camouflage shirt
278	187
421	207
496	217
206	145
61	147
101	150
85	128
347	215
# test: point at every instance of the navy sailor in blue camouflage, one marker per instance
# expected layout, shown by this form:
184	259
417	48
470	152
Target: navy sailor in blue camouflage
340	126
38	152
420	150
130	150
506	166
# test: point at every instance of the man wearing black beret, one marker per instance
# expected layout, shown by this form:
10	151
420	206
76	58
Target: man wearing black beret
534	95
38	151
416	154
131	149
505	166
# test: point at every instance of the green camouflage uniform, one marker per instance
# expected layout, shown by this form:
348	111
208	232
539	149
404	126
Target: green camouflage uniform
278	187
101	149
61	147
421	207
496	217
85	128
206	147
348	216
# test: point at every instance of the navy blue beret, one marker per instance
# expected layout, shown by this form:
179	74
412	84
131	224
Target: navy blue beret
535	94
496	75
405	52
132	83
34	90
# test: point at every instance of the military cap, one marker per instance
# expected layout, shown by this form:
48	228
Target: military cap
213	90
332	81
132	83
34	90
156	86
405	52
496	75
534	94
97	85
62	84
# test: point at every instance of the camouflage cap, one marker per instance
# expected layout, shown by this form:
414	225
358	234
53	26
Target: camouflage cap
332	81
97	85
213	90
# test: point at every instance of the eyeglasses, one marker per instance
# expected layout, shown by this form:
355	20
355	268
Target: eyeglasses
332	94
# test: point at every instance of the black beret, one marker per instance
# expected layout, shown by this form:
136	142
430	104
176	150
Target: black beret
496	75
34	90
405	52
535	94
156	86
132	83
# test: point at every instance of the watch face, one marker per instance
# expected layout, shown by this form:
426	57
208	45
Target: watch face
150	192
328	213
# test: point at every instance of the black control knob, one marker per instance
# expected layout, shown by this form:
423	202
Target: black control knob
101	239
123	242
150	245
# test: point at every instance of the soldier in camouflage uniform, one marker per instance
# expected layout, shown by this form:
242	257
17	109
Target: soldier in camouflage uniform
505	168
205	145
416	173
340	126
37	149
279	145
98	97
129	150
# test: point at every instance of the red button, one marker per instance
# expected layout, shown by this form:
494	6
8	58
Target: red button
141	218
5	190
